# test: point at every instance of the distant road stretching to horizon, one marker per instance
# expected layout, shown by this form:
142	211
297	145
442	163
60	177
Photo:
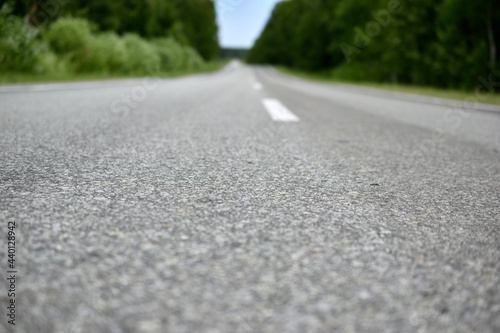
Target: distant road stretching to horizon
247	200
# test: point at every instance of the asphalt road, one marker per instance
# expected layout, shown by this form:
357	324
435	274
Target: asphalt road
248	201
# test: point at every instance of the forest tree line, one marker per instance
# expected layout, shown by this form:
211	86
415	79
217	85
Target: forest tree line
63	38
189	22
445	43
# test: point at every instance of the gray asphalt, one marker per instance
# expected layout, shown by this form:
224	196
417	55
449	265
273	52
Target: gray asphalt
192	211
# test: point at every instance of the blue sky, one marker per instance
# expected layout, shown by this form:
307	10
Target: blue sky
241	21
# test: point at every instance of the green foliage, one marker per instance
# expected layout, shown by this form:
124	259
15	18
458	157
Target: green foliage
199	26
174	56
232	53
171	54
49	62
446	43
142	55
107	37
463	27
359	72
192	60
72	39
190	22
20	49
69	36
114	51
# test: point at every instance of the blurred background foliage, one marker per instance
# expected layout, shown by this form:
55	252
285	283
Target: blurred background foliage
441	43
444	43
119	36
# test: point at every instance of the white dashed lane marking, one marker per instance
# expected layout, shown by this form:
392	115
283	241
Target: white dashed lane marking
278	111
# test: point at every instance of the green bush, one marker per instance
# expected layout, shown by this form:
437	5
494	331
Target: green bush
73	39
175	56
359	72
68	45
170	53
49	62
20	50
115	52
142	56
192	59
69	36
93	57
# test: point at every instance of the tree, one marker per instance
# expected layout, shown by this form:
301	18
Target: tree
468	37
198	20
445	43
189	21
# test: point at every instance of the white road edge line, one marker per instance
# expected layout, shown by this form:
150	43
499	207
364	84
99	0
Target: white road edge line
278	111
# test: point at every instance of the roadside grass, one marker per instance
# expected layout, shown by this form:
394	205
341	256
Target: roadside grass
19	78
460	95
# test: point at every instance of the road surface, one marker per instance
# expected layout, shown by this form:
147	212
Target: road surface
248	201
